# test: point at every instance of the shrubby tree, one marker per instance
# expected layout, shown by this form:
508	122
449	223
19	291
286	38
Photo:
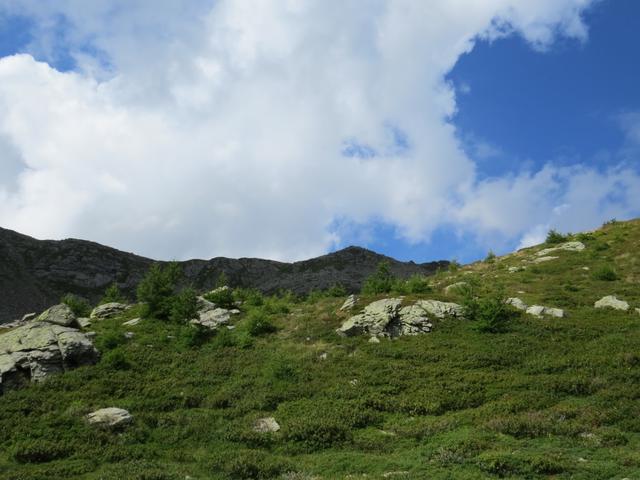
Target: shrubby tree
380	282
160	293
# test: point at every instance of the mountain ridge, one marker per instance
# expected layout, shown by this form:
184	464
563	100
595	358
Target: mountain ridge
35	273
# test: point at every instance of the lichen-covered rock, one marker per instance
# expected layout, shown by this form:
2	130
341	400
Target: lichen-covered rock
212	319
132	322
454	288
441	309
568	246
59	315
539	311
108	310
109	417
373	320
36	350
544	259
413	321
349	303
266	425
610	301
204	305
515	302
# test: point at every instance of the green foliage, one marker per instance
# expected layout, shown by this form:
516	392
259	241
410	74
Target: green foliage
379	282
39	451
555	237
249	297
157	290
491	257
258	323
222	280
605	273
192	336
78	305
454	266
113	295
222	296
184	306
116	360
337	291
489	312
416	284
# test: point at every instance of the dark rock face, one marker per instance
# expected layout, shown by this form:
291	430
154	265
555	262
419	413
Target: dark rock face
34	274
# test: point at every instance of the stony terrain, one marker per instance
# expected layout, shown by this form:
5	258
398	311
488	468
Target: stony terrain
34	274
400	384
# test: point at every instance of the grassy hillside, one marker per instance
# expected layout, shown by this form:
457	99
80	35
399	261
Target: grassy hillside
547	397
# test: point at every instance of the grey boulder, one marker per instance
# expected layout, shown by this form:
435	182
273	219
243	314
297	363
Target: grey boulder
108	310
110	417
34	351
610	301
59	315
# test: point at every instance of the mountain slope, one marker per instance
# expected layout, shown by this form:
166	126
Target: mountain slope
34	274
545	398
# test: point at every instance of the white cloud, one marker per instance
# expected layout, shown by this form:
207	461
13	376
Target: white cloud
217	128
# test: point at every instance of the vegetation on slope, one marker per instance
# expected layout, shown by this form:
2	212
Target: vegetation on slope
539	398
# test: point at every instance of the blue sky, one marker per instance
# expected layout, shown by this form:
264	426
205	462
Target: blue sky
200	128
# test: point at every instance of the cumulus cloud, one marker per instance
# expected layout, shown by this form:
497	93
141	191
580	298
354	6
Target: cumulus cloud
199	128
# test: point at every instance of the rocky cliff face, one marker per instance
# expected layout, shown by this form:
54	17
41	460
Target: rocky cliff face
34	274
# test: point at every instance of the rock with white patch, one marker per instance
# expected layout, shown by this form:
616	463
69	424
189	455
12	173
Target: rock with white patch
373	320
132	322
567	247
349	303
543	259
515	302
540	311
440	309
266	425
110	417
59	315
212	319
610	301
108	310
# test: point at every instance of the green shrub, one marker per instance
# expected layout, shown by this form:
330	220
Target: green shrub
554	237
249	297
196	335
110	340
258	323
113	295
337	290
39	451
454	265
116	359
490	313
184	306
491	257
157	288
78	305
417	284
222	297
316	433
381	281
250	464
605	273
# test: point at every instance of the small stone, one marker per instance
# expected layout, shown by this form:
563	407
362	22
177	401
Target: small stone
585	268
349	303
133	322
543	259
266	425
109	417
28	317
454	288
539	311
234	311
516	303
323	356
515	269
84	322
374	340
353	382
129	335
638	311
610	301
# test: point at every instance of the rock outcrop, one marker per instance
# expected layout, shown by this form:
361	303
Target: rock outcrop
266	425
610	301
567	247
108	310
110	417
59	315
515	302
34	351
387	318
349	303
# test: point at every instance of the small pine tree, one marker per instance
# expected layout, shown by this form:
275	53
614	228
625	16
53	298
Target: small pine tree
553	237
78	305
112	295
157	288
380	282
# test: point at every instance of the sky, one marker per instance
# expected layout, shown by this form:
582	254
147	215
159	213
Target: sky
286	129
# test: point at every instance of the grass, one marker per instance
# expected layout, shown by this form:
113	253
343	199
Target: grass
544	398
